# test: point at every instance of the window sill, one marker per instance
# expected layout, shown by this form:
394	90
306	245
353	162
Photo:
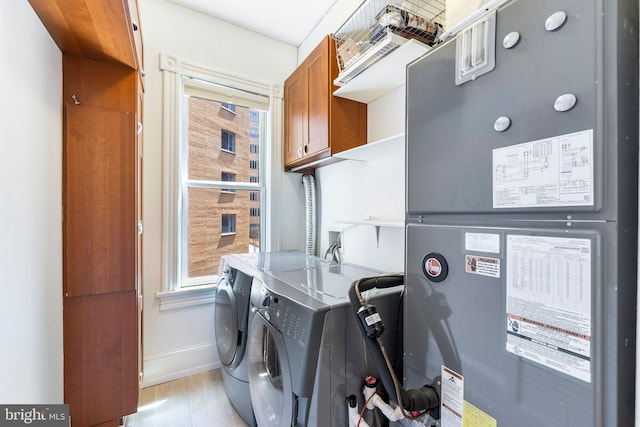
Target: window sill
189	297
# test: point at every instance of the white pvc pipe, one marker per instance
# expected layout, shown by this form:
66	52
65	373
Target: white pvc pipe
354	418
393	414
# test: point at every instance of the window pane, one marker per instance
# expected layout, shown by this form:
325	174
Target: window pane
219	142
231	177
228	141
219	218
219	224
229	107
228	223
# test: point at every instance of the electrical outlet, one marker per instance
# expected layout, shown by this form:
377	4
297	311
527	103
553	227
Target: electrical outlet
335	237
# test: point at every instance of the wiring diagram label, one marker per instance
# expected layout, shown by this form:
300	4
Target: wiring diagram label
556	171
451	398
548	302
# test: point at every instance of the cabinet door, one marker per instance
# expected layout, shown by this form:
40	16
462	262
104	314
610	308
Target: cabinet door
295	116
101	357
100	221
317	71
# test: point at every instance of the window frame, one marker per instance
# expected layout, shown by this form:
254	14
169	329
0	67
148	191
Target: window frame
229	190
228	107
224	132
174	71
228	216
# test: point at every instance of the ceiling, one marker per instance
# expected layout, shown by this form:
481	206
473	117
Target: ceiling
289	21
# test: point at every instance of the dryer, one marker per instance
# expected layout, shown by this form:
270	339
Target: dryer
231	310
305	349
230	325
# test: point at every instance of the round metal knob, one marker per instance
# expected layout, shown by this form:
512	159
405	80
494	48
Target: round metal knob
555	21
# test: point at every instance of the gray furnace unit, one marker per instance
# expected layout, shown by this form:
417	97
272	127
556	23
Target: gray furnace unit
521	237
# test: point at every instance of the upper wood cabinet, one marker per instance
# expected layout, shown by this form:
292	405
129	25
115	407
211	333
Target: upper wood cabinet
318	124
103	30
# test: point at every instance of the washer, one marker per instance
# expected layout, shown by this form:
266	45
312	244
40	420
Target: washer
231	311
306	353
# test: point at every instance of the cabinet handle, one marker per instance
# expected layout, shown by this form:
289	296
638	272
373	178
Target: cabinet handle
299	151
306	148
139	227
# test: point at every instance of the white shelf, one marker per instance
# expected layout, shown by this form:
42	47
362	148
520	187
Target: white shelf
374	150
385	75
376	222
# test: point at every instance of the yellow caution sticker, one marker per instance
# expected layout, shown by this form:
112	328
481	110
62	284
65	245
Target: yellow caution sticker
474	417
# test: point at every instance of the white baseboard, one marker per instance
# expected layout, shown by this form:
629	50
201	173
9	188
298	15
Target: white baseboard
171	365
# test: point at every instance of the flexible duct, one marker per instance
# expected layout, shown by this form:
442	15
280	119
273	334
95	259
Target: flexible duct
309	183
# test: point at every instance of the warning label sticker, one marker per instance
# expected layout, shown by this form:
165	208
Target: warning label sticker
556	171
451	399
482	265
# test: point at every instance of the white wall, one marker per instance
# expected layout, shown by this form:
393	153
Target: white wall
355	190
457	10
179	342
31	359
352	190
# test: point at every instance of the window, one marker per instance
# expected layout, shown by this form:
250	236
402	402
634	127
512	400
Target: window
253	164
228	177
228	224
199	226
253	148
228	107
254	212
228	141
254	231
254	133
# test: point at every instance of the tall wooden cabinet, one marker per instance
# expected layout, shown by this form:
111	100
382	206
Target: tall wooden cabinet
101	193
102	114
318	124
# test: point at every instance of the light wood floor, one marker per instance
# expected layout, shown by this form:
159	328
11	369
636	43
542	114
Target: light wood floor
196	401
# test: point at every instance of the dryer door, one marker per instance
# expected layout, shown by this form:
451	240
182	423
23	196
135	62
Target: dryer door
269	375
226	323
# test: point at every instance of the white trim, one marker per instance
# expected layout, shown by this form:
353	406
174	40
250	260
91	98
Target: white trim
169	62
188	296
272	162
174	70
179	363
171	187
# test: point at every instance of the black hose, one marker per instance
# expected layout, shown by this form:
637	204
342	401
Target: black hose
416	400
372	346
